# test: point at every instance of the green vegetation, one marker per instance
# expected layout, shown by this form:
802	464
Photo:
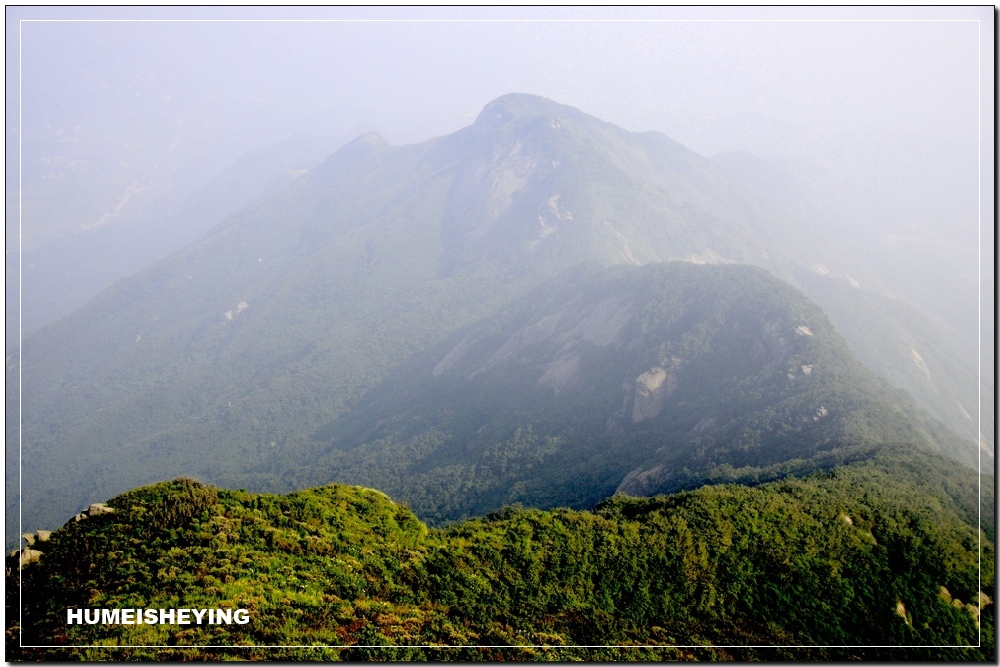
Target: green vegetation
878	554
542	405
276	324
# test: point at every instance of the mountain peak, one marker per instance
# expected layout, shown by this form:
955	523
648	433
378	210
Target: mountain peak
522	105
369	142
361	147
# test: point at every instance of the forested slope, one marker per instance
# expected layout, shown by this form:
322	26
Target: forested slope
840	565
644	379
274	324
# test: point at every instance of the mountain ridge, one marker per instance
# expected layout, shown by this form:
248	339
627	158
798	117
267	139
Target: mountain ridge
591	378
272	325
872	560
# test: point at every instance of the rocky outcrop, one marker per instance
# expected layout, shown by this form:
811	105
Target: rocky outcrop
576	323
638	481
771	345
972	609
652	391
901	611
454	356
27	555
39	535
99	508
704	424
820	412
95	509
563	373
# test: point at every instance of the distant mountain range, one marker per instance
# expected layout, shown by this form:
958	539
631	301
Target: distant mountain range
457	281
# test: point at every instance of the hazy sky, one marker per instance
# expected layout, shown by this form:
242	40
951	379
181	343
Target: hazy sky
890	110
843	86
426	77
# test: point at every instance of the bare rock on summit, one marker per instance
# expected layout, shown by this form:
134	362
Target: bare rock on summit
99	508
29	556
95	509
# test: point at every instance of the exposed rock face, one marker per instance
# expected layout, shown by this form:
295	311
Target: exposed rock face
652	391
771	345
488	183
901	611
704	425
598	325
638	480
919	361
240	307
972	609
454	356
574	324
552	217
29	556
821	412
536	332
563	373
99	508
96	509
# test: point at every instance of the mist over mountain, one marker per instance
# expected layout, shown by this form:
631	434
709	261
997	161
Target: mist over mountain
921	271
909	261
681	352
638	380
226	359
155	214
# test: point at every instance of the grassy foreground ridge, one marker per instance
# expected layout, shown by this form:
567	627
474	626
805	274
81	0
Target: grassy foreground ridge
876	560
